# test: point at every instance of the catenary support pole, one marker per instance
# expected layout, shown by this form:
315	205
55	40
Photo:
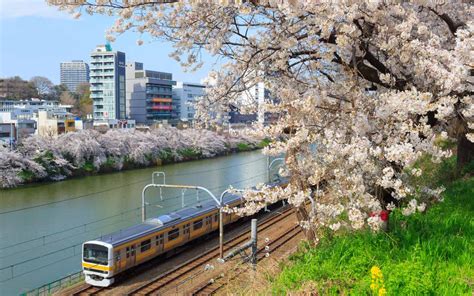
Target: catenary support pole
221	234
253	238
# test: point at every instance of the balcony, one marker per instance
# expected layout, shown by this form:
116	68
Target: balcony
160	108
97	96
161	100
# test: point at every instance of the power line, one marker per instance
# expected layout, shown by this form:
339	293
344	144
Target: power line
121	186
106	218
79	244
68	229
68	237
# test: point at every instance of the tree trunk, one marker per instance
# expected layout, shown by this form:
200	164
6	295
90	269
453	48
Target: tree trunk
465	151
302	215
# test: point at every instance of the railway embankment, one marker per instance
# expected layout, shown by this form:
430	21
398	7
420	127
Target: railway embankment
426	253
191	270
89	152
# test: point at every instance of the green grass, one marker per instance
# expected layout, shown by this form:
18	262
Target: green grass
26	175
264	143
424	254
244	147
189	153
88	167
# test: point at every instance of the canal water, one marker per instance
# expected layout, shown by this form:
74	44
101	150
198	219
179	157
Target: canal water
42	226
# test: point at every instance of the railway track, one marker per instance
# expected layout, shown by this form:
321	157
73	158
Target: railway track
89	290
212	286
161	282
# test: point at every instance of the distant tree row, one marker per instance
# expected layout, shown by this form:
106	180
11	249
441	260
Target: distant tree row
41	87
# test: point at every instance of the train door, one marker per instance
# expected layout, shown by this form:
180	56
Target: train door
160	243
208	223
130	255
186	232
119	261
216	221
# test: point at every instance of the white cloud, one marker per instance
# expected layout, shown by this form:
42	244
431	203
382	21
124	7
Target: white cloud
25	8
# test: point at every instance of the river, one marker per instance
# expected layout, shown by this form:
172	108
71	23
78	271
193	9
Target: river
43	225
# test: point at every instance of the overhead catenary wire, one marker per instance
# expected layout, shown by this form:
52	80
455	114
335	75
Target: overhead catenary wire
102	191
12	266
131	219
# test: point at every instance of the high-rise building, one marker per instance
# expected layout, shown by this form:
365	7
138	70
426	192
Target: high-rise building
107	80
186	94
149	94
74	73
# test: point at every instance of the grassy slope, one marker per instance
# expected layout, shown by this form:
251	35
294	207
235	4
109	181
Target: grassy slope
424	254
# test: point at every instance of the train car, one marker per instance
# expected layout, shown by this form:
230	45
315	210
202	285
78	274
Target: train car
103	259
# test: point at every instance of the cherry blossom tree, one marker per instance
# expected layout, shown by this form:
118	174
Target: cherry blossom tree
56	158
363	89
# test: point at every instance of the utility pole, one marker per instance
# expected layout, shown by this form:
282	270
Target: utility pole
11	136
253	239
221	234
251	244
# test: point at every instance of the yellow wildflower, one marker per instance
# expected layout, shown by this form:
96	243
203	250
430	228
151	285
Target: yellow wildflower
377	285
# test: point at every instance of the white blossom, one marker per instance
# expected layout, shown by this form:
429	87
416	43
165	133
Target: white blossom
355	84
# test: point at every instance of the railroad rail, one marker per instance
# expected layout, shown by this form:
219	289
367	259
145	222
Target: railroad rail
89	290
161	282
173	274
212	286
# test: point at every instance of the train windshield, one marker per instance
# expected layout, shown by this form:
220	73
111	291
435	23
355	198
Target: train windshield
95	254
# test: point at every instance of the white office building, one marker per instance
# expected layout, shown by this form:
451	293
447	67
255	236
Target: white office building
185	95
107	80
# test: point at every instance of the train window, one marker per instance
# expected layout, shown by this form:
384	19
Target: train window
208	220
197	224
127	251
159	239
117	256
173	234
132	250
216	217
95	254
145	245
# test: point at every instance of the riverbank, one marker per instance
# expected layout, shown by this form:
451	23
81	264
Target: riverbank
55	218
426	253
88	152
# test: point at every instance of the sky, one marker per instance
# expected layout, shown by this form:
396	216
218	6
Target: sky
35	38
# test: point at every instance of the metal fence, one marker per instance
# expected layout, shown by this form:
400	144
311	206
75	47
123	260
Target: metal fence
55	286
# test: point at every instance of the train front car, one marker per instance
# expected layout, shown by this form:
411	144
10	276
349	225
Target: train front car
97	263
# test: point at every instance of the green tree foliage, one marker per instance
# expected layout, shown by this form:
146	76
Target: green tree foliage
17	89
84	99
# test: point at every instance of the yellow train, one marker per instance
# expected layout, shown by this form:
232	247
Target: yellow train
103	259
